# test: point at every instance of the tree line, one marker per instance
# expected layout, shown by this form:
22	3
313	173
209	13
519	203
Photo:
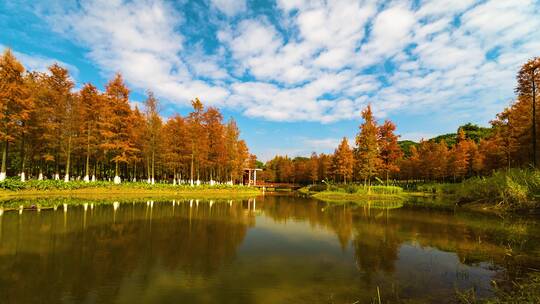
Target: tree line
50	130
509	142
376	153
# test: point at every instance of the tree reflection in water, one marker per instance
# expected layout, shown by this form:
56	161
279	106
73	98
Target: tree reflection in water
268	250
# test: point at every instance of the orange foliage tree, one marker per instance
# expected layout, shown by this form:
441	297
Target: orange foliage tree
367	151
87	134
344	161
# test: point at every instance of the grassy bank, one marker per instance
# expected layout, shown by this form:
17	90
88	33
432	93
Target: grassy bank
355	194
525	290
353	189
508	190
372	200
503	191
11	189
342	196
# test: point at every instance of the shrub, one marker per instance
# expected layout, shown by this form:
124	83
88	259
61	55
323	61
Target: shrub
318	188
351	189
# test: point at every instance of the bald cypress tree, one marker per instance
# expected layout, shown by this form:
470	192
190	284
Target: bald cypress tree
14	110
153	127
367	152
91	106
118	135
344	161
528	79
390	151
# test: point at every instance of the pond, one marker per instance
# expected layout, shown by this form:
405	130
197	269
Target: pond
273	249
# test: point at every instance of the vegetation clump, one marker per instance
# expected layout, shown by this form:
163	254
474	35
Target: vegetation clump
357	193
514	189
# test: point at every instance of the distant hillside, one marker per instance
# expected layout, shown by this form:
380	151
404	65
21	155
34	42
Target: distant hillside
472	131
406	146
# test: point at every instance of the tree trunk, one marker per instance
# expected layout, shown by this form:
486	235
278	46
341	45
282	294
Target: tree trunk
534	119
117	179
23	159
192	163
153	165
68	161
4	161
87	170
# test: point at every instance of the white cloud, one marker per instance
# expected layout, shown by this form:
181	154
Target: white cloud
139	39
417	136
438	8
40	63
230	7
391	31
323	60
322	143
303	146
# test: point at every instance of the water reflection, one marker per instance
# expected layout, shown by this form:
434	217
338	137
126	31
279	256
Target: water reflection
265	250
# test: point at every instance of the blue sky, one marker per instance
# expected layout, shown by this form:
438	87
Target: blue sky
295	74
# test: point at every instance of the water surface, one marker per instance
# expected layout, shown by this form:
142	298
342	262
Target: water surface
276	249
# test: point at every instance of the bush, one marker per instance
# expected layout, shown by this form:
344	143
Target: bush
351	189
318	188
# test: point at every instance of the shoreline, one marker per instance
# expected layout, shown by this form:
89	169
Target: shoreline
130	192
412	200
333	196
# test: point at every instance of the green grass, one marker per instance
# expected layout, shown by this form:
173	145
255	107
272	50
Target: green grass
385	198
515	189
16	185
358	194
374	201
353	189
10	189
